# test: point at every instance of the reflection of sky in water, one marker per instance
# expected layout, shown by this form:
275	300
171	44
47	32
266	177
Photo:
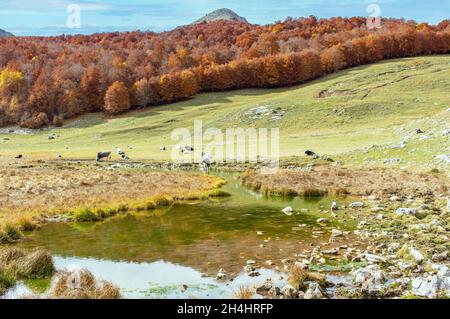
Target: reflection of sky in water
162	279
181	234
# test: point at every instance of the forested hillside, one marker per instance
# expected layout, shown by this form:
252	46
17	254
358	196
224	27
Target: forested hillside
46	80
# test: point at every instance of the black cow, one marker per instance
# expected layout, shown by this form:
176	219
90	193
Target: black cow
310	153
103	155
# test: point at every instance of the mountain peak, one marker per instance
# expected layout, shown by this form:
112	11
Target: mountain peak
3	33
221	14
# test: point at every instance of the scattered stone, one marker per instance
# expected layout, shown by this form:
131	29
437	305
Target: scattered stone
251	262
394	198
370	278
288	211
440	257
249	268
322	221
254	274
416	254
183	288
357	205
221	275
425	286
373	258
269	262
406	211
314	291
289	292
337	233
274	292
264	288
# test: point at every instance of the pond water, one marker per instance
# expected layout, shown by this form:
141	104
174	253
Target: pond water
152	254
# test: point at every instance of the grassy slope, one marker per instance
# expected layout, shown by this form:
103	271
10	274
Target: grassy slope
381	98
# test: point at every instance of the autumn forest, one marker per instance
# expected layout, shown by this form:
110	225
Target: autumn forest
44	80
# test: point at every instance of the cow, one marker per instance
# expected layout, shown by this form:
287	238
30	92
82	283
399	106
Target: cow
102	155
310	153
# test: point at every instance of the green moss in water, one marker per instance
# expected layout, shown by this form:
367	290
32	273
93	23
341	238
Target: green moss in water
38	285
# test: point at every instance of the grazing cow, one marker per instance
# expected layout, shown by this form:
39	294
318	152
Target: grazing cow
162	148
19	156
310	153
103	155
187	149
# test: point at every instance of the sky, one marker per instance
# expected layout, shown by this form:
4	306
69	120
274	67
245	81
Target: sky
50	17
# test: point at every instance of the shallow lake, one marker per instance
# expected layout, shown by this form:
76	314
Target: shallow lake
152	254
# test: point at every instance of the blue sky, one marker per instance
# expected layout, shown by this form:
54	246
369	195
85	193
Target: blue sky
48	17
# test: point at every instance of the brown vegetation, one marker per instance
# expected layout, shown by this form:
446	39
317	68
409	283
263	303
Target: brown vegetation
81	285
89	193
342	181
44	78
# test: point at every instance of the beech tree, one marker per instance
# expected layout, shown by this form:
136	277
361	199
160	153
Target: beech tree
117	99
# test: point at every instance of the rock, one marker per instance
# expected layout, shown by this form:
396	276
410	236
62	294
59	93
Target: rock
440	257
372	197
406	211
221	275
370	278
373	258
251	262
418	131
394	198
289	292
444	279
446	132
431	286
314	291
249	268
274	292
425	286
254	274
334	206
183	288
322	221
269	262
264	288
417	255
337	233
288	211
357	205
